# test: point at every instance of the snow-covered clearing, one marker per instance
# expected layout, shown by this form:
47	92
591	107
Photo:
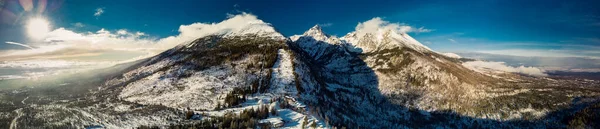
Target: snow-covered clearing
282	78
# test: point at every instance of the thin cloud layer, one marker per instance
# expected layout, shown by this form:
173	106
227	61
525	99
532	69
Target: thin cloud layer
85	44
325	24
452	40
423	30
570	64
502	67
79	24
539	53
20	44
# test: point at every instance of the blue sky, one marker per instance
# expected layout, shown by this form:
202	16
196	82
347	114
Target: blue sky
528	28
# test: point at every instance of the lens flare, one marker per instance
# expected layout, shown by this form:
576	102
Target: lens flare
37	28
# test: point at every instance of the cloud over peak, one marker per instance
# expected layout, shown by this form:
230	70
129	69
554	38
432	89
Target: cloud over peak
378	24
236	24
325	24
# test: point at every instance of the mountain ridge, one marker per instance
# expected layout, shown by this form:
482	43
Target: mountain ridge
249	76
366	73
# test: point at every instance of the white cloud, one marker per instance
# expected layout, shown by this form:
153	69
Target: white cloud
101	39
502	67
423	30
61	41
583	70
33	69
534	53
452	40
61	34
377	24
326	24
79	24
41	50
452	55
545	63
40	64
140	33
236	23
20	44
99	11
230	15
122	32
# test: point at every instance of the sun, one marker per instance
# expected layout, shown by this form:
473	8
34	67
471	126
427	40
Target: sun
37	28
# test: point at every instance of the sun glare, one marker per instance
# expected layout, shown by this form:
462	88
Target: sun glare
37	28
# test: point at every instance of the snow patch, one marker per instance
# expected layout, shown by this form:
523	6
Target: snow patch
282	78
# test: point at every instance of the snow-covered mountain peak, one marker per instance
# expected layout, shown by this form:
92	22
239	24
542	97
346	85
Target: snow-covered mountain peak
315	28
408	41
257	27
383	39
317	33
295	37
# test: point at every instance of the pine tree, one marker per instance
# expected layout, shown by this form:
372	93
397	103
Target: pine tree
313	125
218	107
273	111
304	122
263	112
233	125
189	114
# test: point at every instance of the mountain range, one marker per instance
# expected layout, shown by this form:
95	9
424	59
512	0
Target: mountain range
379	78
